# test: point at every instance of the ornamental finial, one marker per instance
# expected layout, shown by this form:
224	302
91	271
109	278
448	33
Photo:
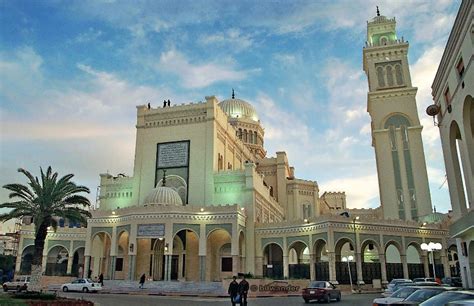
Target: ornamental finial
233	95
163	183
378	12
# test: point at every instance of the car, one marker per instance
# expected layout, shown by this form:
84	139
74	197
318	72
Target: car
397	296
395	284
20	284
321	291
423	279
432	284
81	284
452	281
449	296
422	295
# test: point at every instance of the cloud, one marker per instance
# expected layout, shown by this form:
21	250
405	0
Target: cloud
90	35
233	39
361	191
199	75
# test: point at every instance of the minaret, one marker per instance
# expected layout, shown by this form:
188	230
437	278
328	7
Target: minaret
396	129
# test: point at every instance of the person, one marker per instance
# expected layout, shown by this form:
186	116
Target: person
101	279
89	273
142	281
243	290
233	290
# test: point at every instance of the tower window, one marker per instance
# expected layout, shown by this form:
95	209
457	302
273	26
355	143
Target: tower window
380	77
447	96
383	40
389	76
255	137
460	68
398	74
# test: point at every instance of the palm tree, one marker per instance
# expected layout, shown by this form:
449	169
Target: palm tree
43	200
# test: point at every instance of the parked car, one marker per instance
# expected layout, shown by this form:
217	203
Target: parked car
422	295
449	296
397	296
81	284
452	281
321	291
20	284
424	279
395	284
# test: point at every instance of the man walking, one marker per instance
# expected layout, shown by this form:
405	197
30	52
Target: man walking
233	290
243	290
142	281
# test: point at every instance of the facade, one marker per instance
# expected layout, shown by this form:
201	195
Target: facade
205	202
8	244
453	93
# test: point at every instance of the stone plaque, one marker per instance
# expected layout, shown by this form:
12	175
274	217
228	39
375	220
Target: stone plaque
173	154
151	230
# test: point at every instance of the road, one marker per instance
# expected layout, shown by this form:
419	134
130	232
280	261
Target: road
146	300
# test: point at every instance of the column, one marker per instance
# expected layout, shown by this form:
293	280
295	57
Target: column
202	252
165	278
111	269
426	264
45	261
235	250
404	265
312	270
69	265
87	265
258	266
169	267
286	272
235	264
444	261
131	269
18	263
358	259
383	269
332	267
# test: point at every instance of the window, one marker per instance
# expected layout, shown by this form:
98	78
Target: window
380	77
119	264
398	74
255	137
460	68
226	264
383	40
447	96
389	76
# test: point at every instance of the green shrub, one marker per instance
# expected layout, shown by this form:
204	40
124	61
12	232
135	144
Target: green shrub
35	296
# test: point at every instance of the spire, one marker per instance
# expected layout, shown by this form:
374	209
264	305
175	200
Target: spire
163	183
378	12
233	95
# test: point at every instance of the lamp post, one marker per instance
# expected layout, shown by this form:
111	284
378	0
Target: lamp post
356	218
431	247
349	259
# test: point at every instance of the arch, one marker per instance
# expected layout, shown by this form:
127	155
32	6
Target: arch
389	71
217	266
380	76
395	244
26	259
217	229
186	255
298	260
344	247
370	250
413	253
186	228
245	135
399	74
100	254
458	184
396	120
273	260
57	260
57	245
453	260
468	122
77	268
393	260
121	268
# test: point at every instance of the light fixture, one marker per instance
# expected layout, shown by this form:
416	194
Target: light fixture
348	259
113	212
357	218
160	238
202	209
166	247
305	220
424	224
242	209
431	247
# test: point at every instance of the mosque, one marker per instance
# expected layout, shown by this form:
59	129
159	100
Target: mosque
206	201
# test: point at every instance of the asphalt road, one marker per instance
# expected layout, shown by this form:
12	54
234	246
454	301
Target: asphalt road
146	300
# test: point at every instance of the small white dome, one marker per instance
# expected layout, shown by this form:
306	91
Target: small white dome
163	196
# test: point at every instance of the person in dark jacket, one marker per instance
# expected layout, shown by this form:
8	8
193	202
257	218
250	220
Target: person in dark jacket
101	279
243	290
142	281
233	290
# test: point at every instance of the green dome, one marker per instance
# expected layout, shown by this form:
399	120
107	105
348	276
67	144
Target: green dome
237	108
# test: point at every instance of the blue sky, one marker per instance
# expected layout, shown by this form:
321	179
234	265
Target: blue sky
72	72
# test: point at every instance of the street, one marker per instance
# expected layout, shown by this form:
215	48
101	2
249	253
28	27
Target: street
146	300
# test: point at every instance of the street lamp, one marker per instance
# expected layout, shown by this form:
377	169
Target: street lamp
431	247
349	259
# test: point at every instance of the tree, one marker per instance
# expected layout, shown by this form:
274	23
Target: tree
45	200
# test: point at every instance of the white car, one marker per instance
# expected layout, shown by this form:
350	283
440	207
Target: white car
81	284
397	296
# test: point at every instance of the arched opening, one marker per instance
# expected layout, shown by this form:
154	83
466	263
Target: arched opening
273	261
185	259
157	266
56	263
321	260
100	255
468	122
255	139
399	74
389	75
456	144
219	264
380	77
345	249
453	261
370	261
245	136
393	261
78	263
414	261
298	260
26	258
121	261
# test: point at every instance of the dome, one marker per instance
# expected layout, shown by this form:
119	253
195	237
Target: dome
237	108
434	217
163	196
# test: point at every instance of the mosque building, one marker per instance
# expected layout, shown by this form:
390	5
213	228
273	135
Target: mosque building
206	201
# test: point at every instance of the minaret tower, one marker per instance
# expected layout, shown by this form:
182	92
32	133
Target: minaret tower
396	129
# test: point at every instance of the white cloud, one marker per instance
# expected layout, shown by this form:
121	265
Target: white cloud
90	35
360	190
232	38
199	75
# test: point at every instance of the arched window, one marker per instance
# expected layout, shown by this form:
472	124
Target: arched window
271	191
380	77
389	76
383	40
245	135
240	133
255	137
398	74
250	137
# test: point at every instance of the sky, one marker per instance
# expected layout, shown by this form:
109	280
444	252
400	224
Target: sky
72	72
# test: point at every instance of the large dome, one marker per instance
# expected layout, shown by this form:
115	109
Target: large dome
237	108
163	196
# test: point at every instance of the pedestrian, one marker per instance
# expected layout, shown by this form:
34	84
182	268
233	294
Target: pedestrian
89	273
234	291
243	290
101	279
142	281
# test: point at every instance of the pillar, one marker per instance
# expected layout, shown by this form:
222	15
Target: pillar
332	267
258	266
358	259
45	261
426	265
18	263
202	268
383	269
87	265
131	267
165	278
202	252
235	264
312	270
404	265
69	265
286	272
111	269
444	261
